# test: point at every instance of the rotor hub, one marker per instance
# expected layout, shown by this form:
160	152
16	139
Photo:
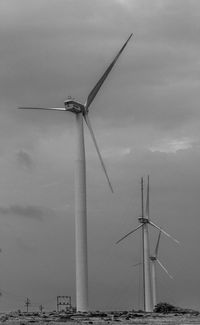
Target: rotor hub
143	220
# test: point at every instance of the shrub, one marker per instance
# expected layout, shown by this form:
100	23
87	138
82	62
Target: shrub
164	308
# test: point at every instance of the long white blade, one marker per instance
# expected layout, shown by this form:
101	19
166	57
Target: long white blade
129	233
157	245
87	120
46	108
147	200
171	277
96	88
164	232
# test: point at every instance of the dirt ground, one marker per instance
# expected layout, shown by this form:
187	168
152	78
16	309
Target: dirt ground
158	320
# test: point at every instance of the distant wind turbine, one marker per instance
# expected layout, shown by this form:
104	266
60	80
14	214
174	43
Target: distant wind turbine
154	259
145	221
81	112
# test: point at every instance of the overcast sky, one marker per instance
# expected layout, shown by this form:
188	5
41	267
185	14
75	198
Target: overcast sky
147	121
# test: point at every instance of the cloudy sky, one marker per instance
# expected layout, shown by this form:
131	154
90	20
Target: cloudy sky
147	121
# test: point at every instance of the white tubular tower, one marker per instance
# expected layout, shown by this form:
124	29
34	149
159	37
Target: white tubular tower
81	220
153	274
144	220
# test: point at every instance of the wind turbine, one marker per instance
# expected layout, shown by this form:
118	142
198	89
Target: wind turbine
81	112
154	259
144	223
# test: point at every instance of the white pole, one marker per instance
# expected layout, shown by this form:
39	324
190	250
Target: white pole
81	220
147	274
153	270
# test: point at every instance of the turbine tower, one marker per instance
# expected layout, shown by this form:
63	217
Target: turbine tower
144	223
146	252
81	112
154	259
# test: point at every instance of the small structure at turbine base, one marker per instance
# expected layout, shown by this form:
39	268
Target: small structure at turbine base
64	301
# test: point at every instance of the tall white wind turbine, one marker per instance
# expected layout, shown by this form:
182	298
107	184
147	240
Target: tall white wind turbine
144	223
154	259
81	112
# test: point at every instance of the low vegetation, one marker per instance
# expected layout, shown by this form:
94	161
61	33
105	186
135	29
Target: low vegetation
166	308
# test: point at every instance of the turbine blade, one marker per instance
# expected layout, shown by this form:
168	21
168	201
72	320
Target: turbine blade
139	263
46	108
171	277
142	196
87	120
157	245
164	232
96	88
147	200
129	233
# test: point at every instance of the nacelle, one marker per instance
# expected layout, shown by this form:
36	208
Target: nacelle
73	106
143	220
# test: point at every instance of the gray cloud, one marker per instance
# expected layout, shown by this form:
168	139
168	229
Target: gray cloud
24	159
32	212
158	70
